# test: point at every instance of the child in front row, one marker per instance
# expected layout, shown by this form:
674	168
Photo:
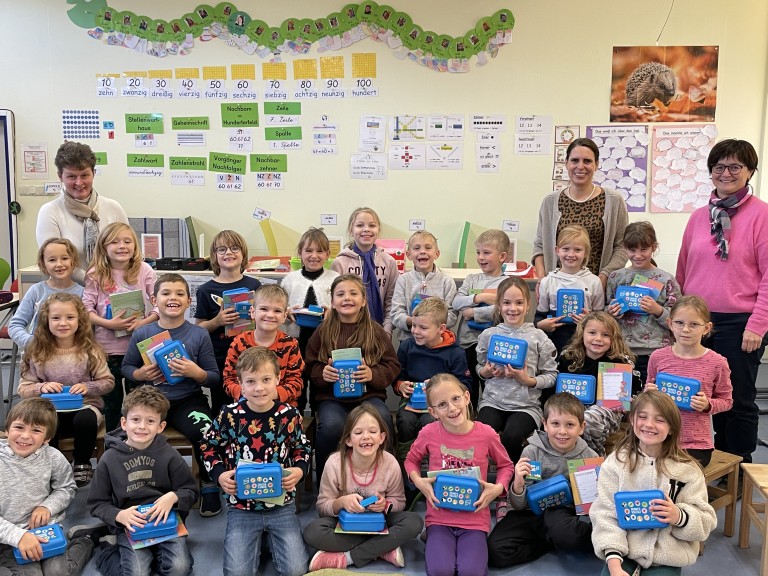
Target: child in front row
259	428
510	402
572	252
348	325
476	297
117	266
63	353
597	339
647	332
140	467
361	468
424	281
456	541
229	259
38	487
189	412
690	322
309	286
649	458
377	269
269	312
522	536
431	350
57	259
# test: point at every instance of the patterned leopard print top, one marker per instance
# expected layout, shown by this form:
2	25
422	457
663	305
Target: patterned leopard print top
590	215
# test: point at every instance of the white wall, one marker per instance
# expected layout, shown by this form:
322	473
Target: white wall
559	63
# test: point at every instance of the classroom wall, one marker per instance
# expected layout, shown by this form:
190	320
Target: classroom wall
559	64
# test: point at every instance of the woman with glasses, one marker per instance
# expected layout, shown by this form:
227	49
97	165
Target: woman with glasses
229	258
724	260
602	212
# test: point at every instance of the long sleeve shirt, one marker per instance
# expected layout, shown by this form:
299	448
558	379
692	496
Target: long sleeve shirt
412	284
22	325
465	298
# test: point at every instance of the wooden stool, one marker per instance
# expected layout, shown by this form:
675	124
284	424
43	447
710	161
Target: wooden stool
67	445
184	447
724	464
755	476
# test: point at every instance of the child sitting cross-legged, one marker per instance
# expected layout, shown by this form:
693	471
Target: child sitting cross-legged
521	536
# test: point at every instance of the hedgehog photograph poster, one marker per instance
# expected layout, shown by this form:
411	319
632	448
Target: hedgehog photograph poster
664	84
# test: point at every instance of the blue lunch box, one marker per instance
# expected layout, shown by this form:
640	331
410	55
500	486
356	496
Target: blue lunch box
549	493
64	400
173	350
149	530
243	309
415	302
633	509
259	480
582	386
679	388
456	492
345	387
479	326
56	545
507	350
309	317
418	399
569	301
362	521
629	298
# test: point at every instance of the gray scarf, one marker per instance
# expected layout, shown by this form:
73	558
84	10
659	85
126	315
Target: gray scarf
85	211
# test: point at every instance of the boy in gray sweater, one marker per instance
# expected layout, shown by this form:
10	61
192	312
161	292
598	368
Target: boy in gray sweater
521	536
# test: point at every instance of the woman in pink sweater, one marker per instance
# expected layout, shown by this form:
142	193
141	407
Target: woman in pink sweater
362	468
724	260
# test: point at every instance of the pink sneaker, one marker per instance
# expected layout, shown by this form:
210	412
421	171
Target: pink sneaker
327	560
501	510
394	557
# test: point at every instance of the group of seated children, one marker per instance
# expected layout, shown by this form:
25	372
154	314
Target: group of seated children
255	414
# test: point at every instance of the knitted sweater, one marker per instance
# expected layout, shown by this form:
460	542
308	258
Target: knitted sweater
349	262
613	254
540	362
285	348
384	372
412	284
465	298
447	450
95	299
22	325
742	280
594	298
297	285
387	480
713	372
41	479
645	333
673	546
68	367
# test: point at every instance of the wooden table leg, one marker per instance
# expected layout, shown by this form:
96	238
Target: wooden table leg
746	505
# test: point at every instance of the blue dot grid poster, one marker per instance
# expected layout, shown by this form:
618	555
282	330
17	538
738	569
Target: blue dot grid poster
80	124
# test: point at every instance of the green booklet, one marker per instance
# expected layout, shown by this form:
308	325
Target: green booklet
133	304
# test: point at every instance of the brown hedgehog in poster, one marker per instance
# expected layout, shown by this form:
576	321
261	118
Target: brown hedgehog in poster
651	81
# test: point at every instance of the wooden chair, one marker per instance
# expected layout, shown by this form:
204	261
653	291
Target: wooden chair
755	476
184	447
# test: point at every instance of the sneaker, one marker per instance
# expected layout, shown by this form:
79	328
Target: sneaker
93	531
327	560
501	510
394	557
210	504
83	474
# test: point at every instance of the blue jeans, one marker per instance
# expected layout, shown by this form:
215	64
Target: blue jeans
172	557
331	416
242	542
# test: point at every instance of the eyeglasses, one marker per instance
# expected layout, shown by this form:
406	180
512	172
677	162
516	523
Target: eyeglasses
457	400
679	324
732	168
223	249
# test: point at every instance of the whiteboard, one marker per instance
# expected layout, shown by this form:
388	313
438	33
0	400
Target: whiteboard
8	231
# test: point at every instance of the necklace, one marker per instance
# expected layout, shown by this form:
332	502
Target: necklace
364	475
568	193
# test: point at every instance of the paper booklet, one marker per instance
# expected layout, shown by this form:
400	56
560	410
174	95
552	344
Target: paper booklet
148	347
614	385
583	473
133	304
181	530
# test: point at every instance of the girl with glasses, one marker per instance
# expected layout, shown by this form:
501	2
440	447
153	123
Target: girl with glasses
690	322
456	540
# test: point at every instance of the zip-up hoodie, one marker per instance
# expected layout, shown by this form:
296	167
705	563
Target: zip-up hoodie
413	283
594	296
419	363
348	262
552	462
126	476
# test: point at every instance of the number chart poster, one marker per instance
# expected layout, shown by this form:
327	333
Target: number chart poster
680	179
623	162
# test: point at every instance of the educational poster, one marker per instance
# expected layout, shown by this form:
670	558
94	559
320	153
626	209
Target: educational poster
372	133
680	180
407	156
664	84
623	161
445	156
368	166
